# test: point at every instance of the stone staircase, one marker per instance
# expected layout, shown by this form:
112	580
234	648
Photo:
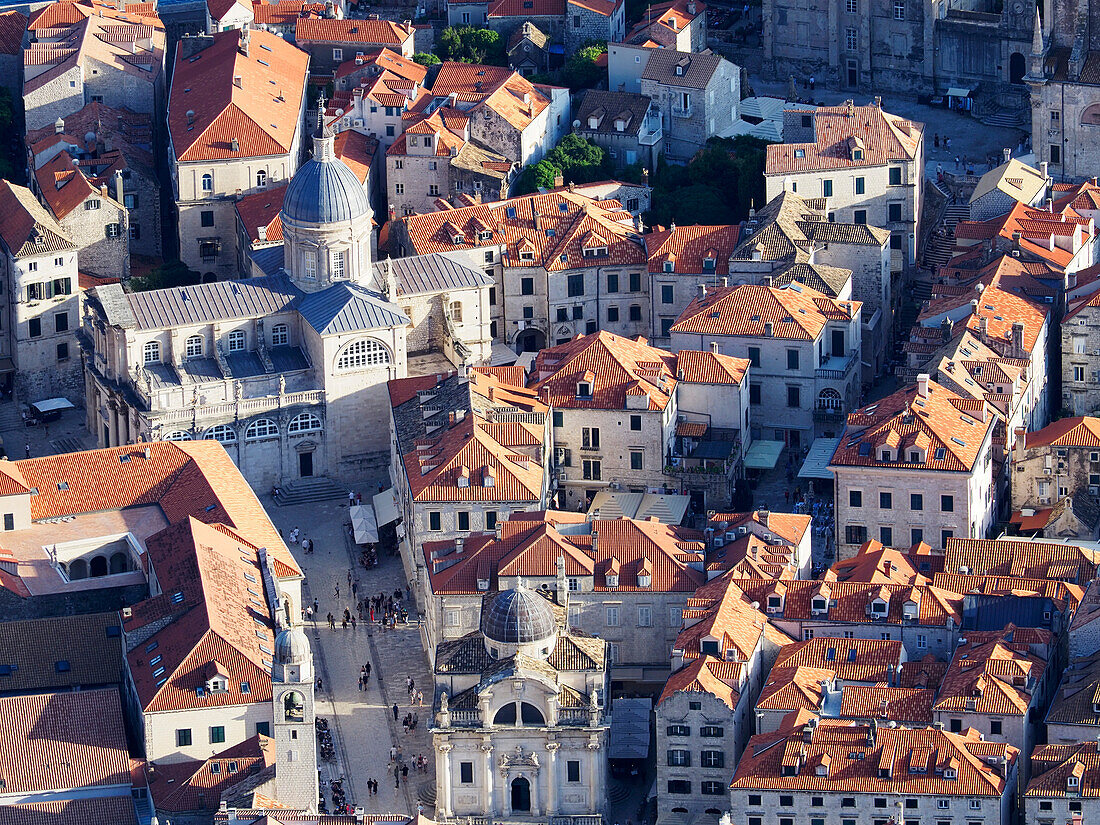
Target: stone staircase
307	490
941	248
10	416
1007	118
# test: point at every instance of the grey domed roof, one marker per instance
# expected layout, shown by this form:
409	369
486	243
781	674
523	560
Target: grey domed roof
292	647
324	189
518	617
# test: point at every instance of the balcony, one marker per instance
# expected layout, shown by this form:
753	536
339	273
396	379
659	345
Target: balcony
681	111
836	368
829	415
652	130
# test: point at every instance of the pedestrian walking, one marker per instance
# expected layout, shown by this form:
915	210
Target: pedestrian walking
396	775
812	83
360	682
957	161
316	607
420	698
353	622
331	621
936	140
336	590
320	685
344	624
366	668
395	711
28	449
309	613
349	578
351	498
355	589
393	753
370	786
947	143
405	772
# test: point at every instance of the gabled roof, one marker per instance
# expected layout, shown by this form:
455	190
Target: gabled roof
1021	558
934	426
68	741
614	367
262	210
337	30
900	704
706	674
1053	237
991	673
695	367
850	660
64	187
261	114
1000	309
1079	431
722	611
663	21
198	785
609	107
26	228
1019	181
876	564
1053	764
883	138
863	759
348	307
687	247
13	25
696	70
793	312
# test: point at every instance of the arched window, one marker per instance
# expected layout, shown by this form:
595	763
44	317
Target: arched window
151	352
280	335
294	706
194	347
1091	115
207	183
263	428
362	353
829	399
304	423
506	715
261	178
177	435
221	432
118	562
530	715
236	341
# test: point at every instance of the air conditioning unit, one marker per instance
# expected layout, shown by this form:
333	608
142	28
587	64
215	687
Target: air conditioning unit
731	535
1094	490
743	530
563	477
1044	499
1046	471
358	122
768	537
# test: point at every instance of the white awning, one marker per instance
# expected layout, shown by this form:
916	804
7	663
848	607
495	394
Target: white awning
956	91
818	458
53	405
363	524
385	507
763	455
630	728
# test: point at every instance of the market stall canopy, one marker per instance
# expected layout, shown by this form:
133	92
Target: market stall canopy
385	507
763	455
363	524
630	728
50	405
818	458
955	91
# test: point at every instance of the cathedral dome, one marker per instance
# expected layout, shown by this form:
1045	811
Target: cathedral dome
292	647
324	189
518	617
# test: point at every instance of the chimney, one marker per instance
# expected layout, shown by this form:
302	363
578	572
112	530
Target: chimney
1018	339
261	233
234	145
702	291
763	516
983	326
1008	154
59	126
238	81
559	181
768	329
691	7
714	347
878	101
922	384
190	117
1016	243
1044	169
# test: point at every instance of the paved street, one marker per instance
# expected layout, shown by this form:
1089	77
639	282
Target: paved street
362	721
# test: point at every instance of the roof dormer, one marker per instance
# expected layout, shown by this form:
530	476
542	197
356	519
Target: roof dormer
217	678
880	604
584	384
856	148
819	601
645	574
462	479
775	597
612	573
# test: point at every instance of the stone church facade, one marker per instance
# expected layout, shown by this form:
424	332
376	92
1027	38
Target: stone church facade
284	370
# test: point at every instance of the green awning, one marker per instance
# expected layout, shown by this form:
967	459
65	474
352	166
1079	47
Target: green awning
763	455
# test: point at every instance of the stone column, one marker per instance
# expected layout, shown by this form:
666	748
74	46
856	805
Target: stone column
552	777
490	788
535	809
597	791
443	802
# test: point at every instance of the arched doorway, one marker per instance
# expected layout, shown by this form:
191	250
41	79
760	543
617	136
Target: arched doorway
521	794
530	340
118	562
78	569
209	278
98	566
1017	68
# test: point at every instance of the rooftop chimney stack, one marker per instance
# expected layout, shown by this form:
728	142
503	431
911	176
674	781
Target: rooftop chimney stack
1008	154
922	384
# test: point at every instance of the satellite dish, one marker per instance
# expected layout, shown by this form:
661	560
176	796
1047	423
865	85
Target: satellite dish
576	124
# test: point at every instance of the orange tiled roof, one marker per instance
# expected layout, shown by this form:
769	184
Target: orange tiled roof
866	760
261	114
794	688
851	660
934	426
1023	559
721	611
1079	431
876	564
794	312
991	673
551	231
1053	764
530	544
196	785
614	367
26	228
357	151
883	137
999	308
707	674
372	32
791	527
1053	237
900	704
499	89
285	12
262	209
63	186
687	247
13	25
1066	595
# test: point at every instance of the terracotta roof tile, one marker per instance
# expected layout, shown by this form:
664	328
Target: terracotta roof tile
991	673
1053	764
615	367
196	785
1080	431
1020	558
261	114
372	32
26	228
884	137
794	312
13	25
108	810
851	660
900	704
876	564
707	674
686	248
857	757
262	210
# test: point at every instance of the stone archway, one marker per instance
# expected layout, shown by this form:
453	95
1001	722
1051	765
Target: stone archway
118	563
98	567
1017	68
530	340
521	794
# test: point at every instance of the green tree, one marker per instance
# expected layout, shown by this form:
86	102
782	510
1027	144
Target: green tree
426	59
534	177
466	44
580	160
581	71
168	274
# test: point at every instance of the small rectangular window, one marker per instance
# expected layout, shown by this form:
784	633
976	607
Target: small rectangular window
183	737
573	770
435	520
466	773
9	521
